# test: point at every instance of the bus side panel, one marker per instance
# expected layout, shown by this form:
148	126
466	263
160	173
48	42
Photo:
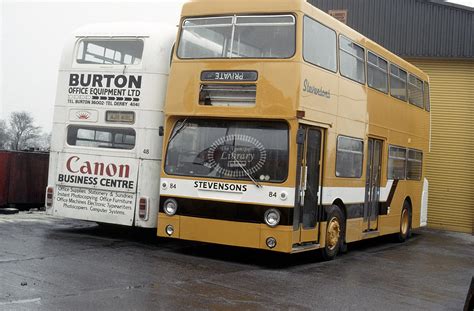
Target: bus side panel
149	188
406	189
96	188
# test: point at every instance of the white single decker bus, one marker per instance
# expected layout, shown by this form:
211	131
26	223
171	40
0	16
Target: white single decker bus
108	124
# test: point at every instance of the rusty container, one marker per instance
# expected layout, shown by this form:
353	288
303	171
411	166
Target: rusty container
4	177
23	178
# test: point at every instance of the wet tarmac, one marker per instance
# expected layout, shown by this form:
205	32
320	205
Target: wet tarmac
49	263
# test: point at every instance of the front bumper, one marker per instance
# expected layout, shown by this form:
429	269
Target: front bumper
234	233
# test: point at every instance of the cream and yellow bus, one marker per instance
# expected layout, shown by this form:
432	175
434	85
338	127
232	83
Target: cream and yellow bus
286	130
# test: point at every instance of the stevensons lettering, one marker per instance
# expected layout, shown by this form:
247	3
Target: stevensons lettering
319	91
220	186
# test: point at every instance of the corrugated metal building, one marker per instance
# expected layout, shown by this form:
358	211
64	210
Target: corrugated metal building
438	37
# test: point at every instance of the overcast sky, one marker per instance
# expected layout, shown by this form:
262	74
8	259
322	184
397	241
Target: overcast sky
32	37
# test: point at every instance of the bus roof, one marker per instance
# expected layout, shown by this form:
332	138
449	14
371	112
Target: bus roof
221	7
126	29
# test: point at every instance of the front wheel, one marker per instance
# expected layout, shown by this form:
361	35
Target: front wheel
334	233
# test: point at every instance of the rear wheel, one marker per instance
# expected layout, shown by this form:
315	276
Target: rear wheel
334	233
405	223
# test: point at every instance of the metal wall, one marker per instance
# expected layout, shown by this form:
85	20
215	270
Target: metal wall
410	28
450	164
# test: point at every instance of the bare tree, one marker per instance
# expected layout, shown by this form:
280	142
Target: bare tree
3	134
22	130
43	142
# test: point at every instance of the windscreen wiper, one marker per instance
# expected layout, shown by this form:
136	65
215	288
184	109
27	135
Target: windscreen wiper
255	182
181	127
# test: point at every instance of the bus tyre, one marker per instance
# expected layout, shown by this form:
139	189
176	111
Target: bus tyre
405	223
334	232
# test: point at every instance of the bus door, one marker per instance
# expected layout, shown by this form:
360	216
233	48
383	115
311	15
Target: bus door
372	184
307	209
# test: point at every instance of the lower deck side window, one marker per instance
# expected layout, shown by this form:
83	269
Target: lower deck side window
101	137
414	164
349	157
396	162
404	163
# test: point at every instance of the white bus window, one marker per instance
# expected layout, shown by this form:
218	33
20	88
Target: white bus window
319	44
268	36
110	51
397	162
398	83
377	72
101	137
415	91
352	60
349	157
414	164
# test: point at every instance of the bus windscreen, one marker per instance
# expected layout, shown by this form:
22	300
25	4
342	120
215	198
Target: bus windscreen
229	149
268	36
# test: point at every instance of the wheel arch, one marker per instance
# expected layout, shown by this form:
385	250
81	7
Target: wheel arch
410	209
410	204
338	202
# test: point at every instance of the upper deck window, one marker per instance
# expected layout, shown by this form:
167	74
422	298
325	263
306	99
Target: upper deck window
319	44
352	60
110	51
398	82
377	72
415	91
268	36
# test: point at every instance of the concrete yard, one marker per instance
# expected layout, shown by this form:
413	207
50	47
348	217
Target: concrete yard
49	263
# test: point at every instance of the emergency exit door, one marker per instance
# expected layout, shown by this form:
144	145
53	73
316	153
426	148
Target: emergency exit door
372	184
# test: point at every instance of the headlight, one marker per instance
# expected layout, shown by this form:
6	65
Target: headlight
170	207
272	217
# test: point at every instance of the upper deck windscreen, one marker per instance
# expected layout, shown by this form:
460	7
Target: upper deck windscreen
110	51
269	36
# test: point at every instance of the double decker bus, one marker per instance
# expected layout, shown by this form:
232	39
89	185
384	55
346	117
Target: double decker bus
108	124
288	131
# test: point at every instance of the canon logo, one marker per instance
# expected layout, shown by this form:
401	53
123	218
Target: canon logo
75	165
